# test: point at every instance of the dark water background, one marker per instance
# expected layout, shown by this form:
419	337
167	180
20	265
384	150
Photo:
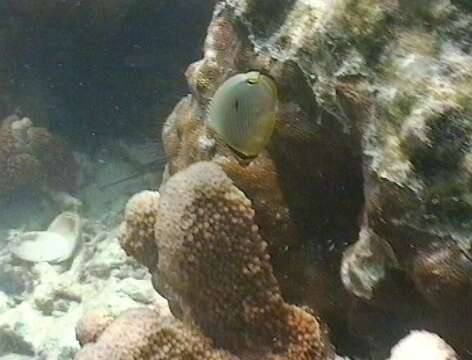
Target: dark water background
90	69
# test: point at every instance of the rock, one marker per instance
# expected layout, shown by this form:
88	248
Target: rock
366	264
422	345
5	302
15	357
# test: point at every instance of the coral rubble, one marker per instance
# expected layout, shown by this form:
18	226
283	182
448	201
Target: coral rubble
214	268
41	303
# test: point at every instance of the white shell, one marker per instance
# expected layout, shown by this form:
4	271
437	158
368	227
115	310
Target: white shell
54	245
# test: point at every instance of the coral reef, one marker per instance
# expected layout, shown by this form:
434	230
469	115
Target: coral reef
30	158
214	268
136	234
203	218
150	337
357	212
92	324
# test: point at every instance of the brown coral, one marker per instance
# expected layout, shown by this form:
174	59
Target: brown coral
142	334
203	220
373	134
306	207
136	234
18	169
54	154
30	157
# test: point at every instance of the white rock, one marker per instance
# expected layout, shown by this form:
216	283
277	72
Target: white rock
54	245
422	345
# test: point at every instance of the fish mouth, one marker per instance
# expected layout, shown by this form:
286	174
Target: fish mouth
242	158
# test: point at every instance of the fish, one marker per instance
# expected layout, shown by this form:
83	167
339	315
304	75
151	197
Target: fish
243	113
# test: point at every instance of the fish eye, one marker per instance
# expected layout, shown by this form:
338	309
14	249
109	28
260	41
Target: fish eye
252	81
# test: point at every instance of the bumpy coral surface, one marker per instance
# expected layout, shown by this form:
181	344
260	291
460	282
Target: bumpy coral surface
31	157
136	233
215	265
372	144
143	334
214	268
18	169
373	137
92	324
422	345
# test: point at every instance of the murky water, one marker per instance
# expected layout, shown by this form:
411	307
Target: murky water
85	87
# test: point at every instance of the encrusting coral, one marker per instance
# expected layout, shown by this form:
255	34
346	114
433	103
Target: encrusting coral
214	268
31	156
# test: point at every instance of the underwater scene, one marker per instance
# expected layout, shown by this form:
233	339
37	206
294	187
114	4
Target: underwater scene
236	180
